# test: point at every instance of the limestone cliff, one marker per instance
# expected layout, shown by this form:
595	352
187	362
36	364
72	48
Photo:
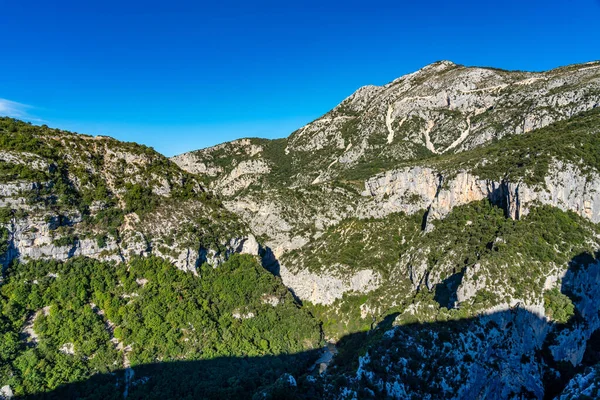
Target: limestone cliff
413	189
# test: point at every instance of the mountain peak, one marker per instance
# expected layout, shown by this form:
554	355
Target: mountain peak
445	63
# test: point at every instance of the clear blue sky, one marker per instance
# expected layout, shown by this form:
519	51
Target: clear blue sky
184	75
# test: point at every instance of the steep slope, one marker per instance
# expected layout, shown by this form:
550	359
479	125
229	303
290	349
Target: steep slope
265	182
64	194
442	230
322	168
450	194
442	108
94	234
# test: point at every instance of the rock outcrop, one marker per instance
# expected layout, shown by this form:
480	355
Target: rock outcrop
326	288
34	239
365	212
6	393
108	200
443	108
416	188
585	385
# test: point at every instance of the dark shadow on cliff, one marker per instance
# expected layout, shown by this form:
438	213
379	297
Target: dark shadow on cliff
581	284
505	356
270	262
248	377
10	254
446	292
219	378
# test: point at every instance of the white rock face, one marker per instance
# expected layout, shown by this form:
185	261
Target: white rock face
412	189
447	108
67	348
192	161
265	219
238	315
320	134
470	286
584	283
242	176
33	238
23	158
250	246
6	393
276	216
14	188
325	289
189	162
271	300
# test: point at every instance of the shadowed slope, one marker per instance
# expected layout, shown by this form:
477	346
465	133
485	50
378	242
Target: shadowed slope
513	353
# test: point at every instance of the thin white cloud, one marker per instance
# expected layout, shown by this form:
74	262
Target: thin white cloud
9	108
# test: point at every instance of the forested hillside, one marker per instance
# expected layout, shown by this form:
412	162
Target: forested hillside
433	238
65	321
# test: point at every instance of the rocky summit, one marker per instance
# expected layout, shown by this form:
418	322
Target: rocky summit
433	238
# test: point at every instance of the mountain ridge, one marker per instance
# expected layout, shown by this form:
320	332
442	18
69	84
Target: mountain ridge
450	194
342	133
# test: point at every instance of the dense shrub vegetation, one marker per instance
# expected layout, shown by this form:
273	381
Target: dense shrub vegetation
517	255
558	306
93	317
357	244
139	199
232	330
